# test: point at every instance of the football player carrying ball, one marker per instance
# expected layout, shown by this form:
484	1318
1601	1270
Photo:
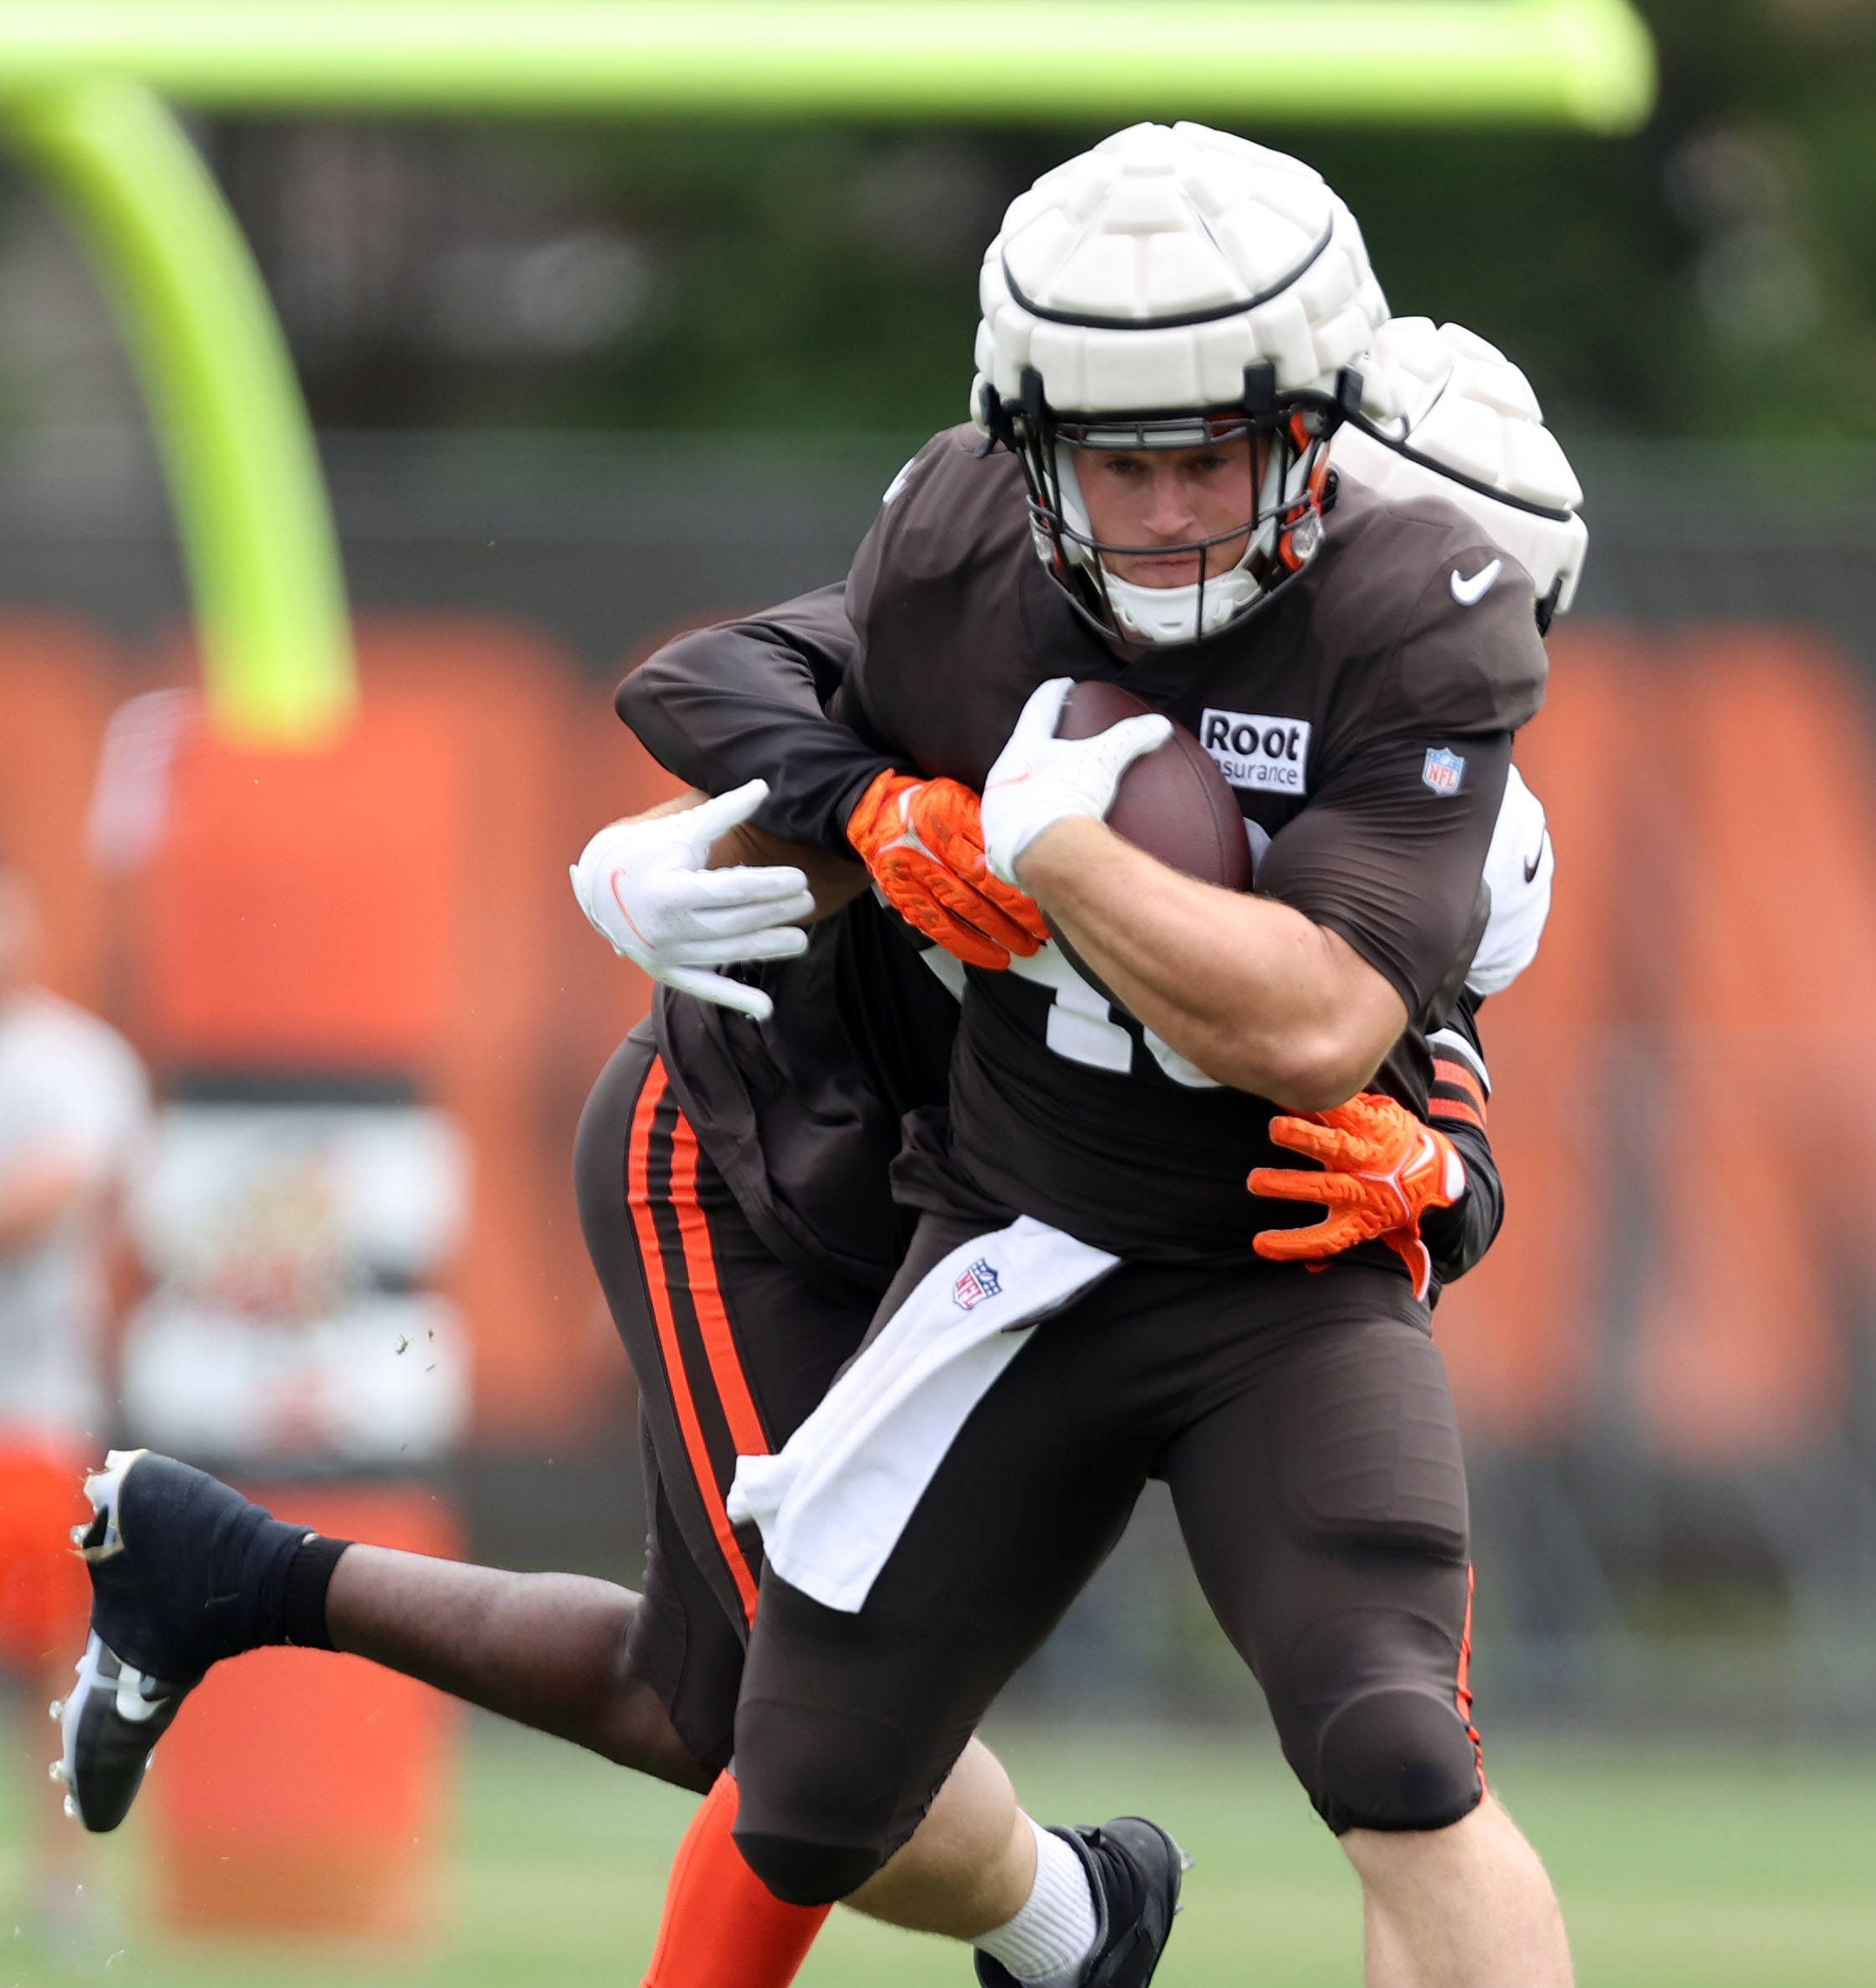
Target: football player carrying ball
1175	333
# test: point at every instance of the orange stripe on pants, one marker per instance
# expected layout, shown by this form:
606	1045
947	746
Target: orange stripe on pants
1462	1694
713	1320
638	1198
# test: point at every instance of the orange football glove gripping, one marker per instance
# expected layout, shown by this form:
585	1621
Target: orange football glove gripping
923	844
1383	1169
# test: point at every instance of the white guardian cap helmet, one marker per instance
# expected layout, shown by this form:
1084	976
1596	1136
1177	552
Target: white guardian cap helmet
1469	429
1175	287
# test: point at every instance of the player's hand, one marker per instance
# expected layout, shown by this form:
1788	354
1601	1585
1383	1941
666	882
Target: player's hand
923	845
1039	779
644	886
1381	1168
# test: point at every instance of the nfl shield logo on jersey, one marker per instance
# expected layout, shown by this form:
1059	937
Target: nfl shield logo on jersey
979	1282
1444	770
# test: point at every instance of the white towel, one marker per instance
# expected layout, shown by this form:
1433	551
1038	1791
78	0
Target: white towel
832	1502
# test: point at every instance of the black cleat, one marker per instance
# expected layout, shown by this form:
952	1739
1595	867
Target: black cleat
113	1717
1134	1871
184	1571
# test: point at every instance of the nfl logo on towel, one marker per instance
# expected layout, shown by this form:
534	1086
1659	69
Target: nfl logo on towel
1444	770
977	1284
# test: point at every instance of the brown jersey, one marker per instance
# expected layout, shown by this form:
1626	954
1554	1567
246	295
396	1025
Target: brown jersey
801	1113
1363	715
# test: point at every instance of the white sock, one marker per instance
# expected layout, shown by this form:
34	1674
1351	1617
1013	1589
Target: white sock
1047	1942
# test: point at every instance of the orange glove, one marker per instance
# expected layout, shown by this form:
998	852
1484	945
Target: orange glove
1383	1169
923	843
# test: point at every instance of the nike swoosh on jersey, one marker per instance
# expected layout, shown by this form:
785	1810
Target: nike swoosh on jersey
1468	593
1530	868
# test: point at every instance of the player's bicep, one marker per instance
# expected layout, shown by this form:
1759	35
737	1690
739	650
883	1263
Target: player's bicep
1390	853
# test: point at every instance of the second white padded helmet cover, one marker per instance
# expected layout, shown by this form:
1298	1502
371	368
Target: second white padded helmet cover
1463	404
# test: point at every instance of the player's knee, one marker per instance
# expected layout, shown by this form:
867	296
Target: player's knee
1397	1758
817	1790
800	1874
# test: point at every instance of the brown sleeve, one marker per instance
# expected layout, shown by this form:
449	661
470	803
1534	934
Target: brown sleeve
1471	664
1459	1236
1390	850
748	700
1390	857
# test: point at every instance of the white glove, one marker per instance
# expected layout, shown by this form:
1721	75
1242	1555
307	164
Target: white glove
1039	779
643	886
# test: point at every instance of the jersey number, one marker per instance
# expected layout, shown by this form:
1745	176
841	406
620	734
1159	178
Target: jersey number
1083	1029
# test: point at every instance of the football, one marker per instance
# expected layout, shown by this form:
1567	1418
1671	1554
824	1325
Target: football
1173	802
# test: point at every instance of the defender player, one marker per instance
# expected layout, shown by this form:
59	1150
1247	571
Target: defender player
1167	323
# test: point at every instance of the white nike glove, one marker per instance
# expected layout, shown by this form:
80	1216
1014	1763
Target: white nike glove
1039	779
643	886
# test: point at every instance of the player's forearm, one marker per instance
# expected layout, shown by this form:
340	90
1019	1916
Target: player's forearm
1459	1236
1254	993
835	881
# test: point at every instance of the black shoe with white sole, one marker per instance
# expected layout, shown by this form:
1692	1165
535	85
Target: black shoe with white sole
184	1571
113	1718
1134	1871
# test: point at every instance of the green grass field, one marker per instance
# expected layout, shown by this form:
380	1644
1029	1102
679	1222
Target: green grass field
1678	1869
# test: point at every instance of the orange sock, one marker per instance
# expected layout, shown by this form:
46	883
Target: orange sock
723	1928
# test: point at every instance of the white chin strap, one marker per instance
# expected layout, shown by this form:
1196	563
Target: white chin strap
1172	614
